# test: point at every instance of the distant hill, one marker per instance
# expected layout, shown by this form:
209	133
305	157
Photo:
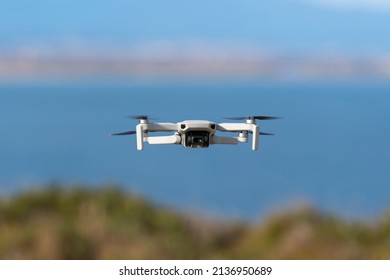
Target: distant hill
107	223
210	64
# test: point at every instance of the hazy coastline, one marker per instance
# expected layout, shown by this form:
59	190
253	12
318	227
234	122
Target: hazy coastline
210	64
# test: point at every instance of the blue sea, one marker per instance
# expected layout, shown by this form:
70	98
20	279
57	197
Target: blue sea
331	148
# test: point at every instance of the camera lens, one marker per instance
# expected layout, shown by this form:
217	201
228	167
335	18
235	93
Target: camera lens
197	139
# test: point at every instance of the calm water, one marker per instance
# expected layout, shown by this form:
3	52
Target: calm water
331	148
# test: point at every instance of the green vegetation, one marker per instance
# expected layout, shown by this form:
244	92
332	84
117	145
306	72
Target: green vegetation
107	223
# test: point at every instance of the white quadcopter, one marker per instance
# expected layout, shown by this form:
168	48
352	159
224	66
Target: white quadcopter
197	133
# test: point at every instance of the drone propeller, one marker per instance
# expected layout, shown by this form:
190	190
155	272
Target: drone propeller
138	117
262	133
131	132
265	133
264	118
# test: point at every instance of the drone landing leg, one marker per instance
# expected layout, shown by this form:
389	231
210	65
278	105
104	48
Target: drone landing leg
255	140
140	137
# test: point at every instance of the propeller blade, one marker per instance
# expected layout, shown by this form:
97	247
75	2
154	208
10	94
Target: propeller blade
235	118
264	118
131	132
261	133
138	117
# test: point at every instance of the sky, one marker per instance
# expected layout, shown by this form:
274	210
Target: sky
284	25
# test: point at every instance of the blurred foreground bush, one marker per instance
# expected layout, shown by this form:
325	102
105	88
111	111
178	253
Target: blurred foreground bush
107	223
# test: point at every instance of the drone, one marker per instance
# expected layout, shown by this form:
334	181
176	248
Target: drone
197	133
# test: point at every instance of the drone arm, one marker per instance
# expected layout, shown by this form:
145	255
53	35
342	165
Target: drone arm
235	127
143	128
172	139
238	127
160	127
223	140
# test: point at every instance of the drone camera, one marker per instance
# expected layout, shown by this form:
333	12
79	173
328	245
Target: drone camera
197	139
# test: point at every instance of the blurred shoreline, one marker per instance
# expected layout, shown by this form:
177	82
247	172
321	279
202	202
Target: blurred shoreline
106	223
209	64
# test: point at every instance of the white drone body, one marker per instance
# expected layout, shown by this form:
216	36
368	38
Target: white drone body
196	133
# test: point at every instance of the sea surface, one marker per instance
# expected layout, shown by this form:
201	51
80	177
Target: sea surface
331	148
